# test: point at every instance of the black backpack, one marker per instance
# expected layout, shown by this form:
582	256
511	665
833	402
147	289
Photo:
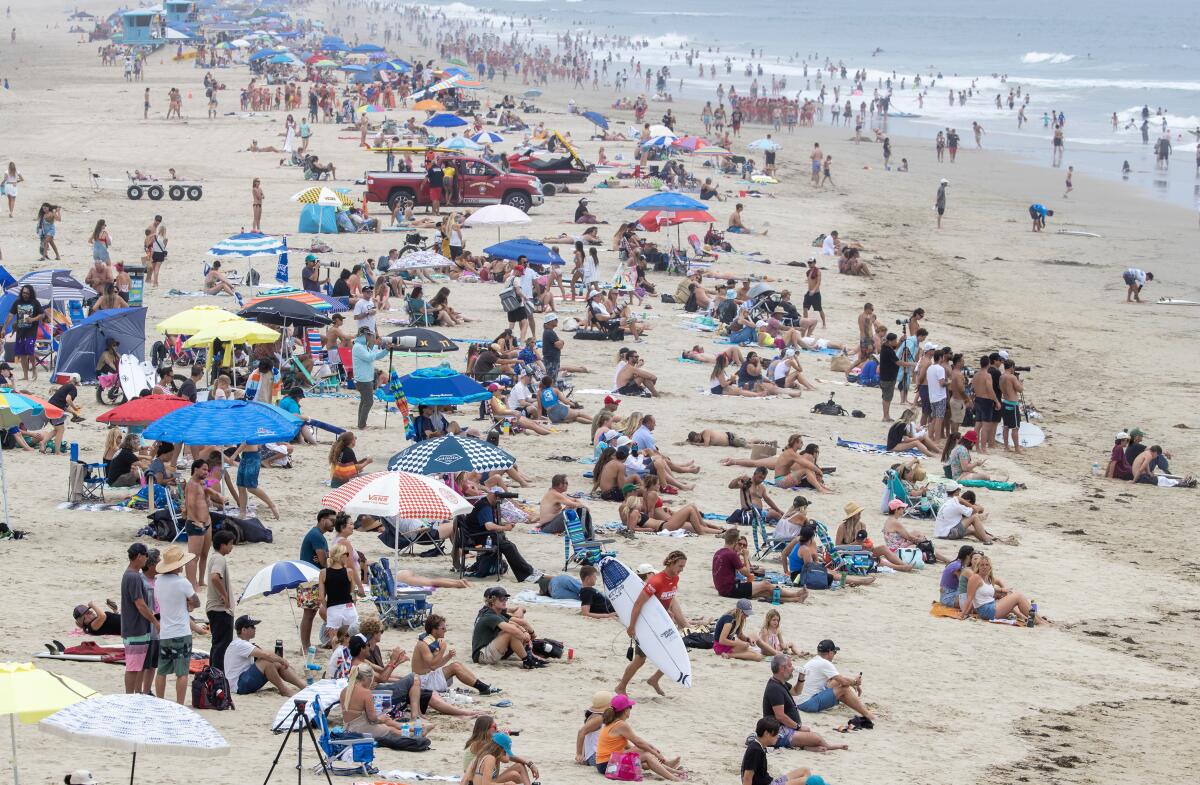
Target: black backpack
829	407
727	311
210	690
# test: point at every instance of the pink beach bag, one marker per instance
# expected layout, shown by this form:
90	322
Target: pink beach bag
625	766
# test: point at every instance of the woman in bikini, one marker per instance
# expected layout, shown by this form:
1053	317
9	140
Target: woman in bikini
609	474
358	706
896	535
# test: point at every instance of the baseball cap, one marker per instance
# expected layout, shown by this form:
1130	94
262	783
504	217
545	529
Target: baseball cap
550	317
645	568
1133	432
504	742
1003	354
746	607
952	487
945	181
245	621
1122	435
622	702
812	260
622	441
790	351
79	610
310	258
611	401
296	392
367	286
138	549
972	436
496	591
896	504
493	387
827	646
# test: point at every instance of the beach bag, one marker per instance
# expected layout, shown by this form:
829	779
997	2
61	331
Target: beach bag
510	300
548	647
813	576
840	364
210	690
624	766
927	554
253	530
911	556
394	741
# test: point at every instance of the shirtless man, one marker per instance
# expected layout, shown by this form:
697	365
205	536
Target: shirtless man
216	282
866	335
987	408
1011	388
737	226
633	376
782	464
197	523
554	504
434	664
815	158
754	494
958	397
812	298
711	437
254	148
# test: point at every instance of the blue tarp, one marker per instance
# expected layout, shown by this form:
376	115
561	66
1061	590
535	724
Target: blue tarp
536	252
224	423
441	387
81	346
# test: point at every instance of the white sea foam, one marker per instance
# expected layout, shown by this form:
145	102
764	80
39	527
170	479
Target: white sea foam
1054	58
682	13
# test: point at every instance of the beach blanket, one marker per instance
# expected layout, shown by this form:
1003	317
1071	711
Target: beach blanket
877	449
941	611
182	293
689	360
94	507
593	391
529	596
397	777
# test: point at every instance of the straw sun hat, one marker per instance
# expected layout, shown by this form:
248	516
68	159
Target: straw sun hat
174	558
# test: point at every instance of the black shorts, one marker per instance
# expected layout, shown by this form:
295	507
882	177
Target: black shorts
985	410
631	388
812	300
612	495
742	591
518	315
1010	415
941	211
455	251
158	257
193	529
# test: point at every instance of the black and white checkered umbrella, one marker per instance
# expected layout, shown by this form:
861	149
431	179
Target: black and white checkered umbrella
449	454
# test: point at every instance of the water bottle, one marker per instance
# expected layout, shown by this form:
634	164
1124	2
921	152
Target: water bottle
488	543
1095	470
310	664
278	647
417	728
775	595
405	732
1032	620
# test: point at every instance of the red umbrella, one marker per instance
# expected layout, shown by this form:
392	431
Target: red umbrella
654	220
691	143
144	410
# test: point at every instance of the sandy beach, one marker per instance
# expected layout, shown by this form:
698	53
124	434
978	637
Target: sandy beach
1106	694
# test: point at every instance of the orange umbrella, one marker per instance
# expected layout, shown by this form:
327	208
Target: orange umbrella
430	105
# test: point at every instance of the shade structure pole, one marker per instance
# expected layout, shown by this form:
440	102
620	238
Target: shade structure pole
4	491
391	362
132	768
12	718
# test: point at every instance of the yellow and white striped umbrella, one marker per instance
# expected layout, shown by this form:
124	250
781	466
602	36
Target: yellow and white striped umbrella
321	195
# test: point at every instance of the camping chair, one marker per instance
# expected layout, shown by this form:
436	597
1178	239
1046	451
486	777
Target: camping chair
765	543
850	559
420	317
86	482
465	542
311	385
75	311
355	751
400	607
698	249
923	507
576	545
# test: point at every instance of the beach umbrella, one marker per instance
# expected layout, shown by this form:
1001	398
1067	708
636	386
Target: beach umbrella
399	66
281	59
712	150
451	454
457	61
367	48
662	130
224	46
365	108
143	411
194	319
358	68
597	119
429	105
261	54
30	694
54	285
667	200
283	311
224	423
397	495
428	341
659	141
277	577
536	252
487	137
445	121
498	215
460	143
455	70
764	144
17	408
654	220
691	143
233	331
319	195
320	302
421	260
249	245
137	724
324	64
442	386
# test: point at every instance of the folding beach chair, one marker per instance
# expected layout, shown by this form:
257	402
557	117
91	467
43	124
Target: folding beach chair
850	559
312	385
698	249
342	752
765	543
577	547
86	482
922	507
404	607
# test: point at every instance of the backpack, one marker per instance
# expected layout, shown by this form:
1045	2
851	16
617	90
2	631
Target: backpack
727	311
698	640
210	690
829	407
548	647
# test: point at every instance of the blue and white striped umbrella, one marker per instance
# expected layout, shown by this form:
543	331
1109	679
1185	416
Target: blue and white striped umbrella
249	244
280	576
487	137
659	141
54	285
460	143
137	724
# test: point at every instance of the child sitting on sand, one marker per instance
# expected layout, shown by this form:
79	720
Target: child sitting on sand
754	761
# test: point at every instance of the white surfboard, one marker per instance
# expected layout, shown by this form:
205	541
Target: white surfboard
657	635
1077	233
1173	301
133	376
1029	435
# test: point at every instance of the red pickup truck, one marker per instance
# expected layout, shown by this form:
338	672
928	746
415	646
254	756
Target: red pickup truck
479	183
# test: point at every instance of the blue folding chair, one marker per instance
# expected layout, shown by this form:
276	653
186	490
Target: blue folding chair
341	752
576	545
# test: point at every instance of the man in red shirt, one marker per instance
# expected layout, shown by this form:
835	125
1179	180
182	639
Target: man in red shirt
733	560
663	586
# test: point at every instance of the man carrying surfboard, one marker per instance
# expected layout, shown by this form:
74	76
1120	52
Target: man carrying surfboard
664	587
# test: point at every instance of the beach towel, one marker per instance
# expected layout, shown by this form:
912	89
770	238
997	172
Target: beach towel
689	360
397	777
877	449
182	293
531	596
94	507
991	485
944	611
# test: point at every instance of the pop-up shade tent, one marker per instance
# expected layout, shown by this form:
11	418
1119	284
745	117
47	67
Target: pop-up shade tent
81	346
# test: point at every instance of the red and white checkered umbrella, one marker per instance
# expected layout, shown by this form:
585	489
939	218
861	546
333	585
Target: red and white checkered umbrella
397	494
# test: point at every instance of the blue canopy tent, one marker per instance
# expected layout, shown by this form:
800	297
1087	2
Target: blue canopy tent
80	347
441	386
224	423
536	252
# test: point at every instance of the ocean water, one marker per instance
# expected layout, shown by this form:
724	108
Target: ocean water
1085	58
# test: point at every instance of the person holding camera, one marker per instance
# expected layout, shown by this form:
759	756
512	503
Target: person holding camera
364	370
483	523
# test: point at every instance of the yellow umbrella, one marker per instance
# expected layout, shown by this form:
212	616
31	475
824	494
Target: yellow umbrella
237	330
195	319
32	694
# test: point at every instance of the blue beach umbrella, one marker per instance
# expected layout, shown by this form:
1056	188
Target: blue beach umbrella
441	386
261	54
281	59
277	577
248	244
445	120
225	423
460	143
667	200
487	137
367	48
596	119
536	252
358	68
456	71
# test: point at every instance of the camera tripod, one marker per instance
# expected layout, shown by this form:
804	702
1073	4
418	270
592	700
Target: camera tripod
300	724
